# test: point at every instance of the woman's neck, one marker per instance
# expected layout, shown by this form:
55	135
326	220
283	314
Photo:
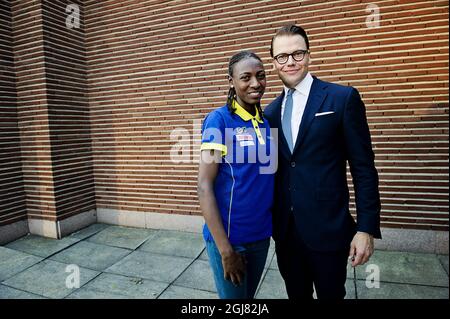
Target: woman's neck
248	107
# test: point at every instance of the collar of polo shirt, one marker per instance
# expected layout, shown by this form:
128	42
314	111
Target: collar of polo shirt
243	114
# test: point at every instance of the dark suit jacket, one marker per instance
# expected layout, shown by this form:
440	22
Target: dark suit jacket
311	183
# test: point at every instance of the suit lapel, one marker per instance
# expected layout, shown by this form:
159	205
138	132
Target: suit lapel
316	97
283	146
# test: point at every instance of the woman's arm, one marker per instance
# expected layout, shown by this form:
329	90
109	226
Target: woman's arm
233	263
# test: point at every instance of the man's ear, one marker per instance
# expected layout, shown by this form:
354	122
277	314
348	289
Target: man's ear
309	58
274	66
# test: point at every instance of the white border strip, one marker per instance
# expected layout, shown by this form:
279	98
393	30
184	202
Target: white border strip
63	227
189	223
413	240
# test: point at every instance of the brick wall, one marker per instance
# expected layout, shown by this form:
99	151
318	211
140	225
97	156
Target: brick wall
12	196
156	66
32	108
68	110
53	113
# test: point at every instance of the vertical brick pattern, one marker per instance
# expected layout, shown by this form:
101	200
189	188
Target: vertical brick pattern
68	110
53	111
12	195
155	66
32	108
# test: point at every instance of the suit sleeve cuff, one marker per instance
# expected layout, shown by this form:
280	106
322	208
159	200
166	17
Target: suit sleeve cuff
374	231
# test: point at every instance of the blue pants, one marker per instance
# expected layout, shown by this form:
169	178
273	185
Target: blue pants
255	254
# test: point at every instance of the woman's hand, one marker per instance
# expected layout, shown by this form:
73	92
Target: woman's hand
233	267
233	263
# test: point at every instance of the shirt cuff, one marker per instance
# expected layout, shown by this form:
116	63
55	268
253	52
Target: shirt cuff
214	146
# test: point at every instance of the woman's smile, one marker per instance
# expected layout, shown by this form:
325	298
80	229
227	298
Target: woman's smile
256	94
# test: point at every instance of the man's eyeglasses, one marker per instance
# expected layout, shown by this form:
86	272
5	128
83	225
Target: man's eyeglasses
298	56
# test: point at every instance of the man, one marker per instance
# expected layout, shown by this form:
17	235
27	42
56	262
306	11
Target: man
321	126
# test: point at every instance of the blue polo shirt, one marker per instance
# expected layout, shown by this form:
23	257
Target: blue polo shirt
244	185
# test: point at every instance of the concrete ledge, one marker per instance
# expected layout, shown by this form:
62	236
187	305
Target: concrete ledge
59	229
77	222
187	223
13	231
413	240
44	228
121	217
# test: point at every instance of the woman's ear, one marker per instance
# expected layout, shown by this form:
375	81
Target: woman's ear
230	82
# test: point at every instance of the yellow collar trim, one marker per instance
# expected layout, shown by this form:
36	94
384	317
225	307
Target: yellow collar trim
243	114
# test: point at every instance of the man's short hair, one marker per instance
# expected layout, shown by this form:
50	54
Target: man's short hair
290	29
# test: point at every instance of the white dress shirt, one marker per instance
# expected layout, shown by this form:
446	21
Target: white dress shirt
299	99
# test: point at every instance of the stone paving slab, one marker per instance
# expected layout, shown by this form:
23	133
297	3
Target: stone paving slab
176	292
204	255
48	279
198	275
274	263
349	289
400	291
404	267
122	237
174	243
11	293
91	255
270	256
119	287
41	246
150	266
272	286
272	243
86	293
159	268
269	259
90	230
444	261
13	262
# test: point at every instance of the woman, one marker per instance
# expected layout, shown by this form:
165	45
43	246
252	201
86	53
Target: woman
235	192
